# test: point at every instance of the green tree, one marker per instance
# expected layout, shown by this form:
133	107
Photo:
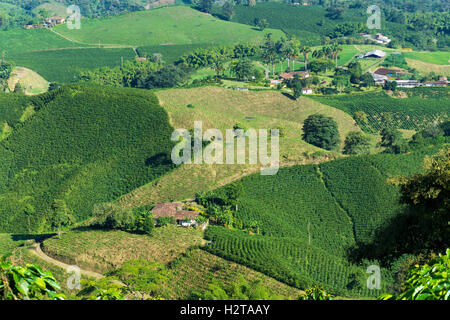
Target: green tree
60	216
113	216
242	69
321	131
356	143
228	10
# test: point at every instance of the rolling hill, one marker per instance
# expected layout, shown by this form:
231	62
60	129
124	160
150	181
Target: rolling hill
84	145
178	25
223	108
310	216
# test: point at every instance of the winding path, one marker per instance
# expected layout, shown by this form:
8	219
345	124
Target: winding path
37	250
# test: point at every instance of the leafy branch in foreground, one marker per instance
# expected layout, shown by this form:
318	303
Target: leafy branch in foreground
27	283
427	282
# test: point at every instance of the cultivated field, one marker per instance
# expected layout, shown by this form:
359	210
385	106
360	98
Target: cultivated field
223	108
170	25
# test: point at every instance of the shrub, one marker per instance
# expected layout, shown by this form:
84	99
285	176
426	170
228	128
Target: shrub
321	131
113	216
356	143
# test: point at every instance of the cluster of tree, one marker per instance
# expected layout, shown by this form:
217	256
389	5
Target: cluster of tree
222	205
321	131
5	72
216	57
112	216
139	74
347	29
352	74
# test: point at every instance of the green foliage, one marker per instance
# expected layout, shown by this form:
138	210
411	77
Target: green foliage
421	107
393	141
27	283
113	216
104	289
241	289
143	277
430	281
395	60
316	293
356	143
307	217
321	131
82	148
164	221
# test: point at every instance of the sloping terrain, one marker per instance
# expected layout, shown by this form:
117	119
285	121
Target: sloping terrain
222	109
85	144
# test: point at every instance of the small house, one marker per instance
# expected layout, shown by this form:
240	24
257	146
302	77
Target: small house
175	209
290	75
435	83
307	91
53	21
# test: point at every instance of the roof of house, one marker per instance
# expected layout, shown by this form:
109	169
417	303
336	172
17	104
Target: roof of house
173	209
385	71
436	82
377	53
290	75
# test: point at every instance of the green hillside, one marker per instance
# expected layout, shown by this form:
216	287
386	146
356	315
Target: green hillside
85	144
62	65
310	216
176	25
409	109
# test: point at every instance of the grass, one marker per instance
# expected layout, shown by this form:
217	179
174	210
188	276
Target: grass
33	82
104	251
178	25
435	57
222	108
21	40
63	65
424	67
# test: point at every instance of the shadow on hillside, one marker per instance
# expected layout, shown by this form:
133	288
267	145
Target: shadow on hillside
288	96
409	232
35	237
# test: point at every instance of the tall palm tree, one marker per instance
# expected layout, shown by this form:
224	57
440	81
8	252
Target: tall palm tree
306	51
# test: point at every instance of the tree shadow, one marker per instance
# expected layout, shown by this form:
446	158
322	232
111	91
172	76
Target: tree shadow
408	232
288	95
35	237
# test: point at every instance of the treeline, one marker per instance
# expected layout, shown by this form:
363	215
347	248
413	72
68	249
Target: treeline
139	74
15	13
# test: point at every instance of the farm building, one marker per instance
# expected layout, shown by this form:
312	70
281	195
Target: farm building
33	26
407	83
175	209
53	21
380	38
375	54
379	78
307	91
440	83
290	75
